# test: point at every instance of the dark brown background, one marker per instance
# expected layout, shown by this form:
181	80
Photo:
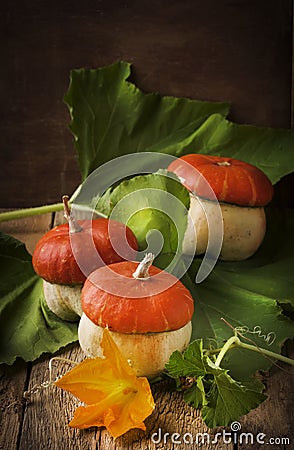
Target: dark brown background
237	51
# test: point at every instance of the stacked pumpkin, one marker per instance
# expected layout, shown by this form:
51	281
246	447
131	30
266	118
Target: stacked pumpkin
147	310
239	189
55	261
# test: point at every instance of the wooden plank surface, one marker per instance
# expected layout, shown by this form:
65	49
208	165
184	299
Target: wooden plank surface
13	383
42	423
275	417
46	419
28	230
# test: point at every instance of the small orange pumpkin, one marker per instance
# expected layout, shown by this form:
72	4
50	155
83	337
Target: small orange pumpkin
242	190
55	261
113	297
96	242
232	181
148	312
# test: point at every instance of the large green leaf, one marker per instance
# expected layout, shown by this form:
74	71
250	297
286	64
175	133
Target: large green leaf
111	117
267	148
248	294
27	327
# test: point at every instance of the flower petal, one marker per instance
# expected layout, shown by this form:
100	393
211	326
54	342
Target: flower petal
95	378
134	411
114	396
130	410
90	381
121	367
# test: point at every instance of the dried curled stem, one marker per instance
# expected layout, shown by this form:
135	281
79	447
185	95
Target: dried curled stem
74	226
142	271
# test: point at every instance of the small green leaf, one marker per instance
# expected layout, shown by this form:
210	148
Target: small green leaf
228	400
221	399
190	363
196	395
27	327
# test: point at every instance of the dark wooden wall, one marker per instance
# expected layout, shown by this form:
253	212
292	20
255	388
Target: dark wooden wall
234	50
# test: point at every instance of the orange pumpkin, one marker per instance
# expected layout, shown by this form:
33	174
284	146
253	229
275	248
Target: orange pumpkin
96	242
55	261
242	191
231	180
113	298
147	313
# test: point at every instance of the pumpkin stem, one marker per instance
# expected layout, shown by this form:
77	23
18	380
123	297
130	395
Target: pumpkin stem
74	226
142	271
224	163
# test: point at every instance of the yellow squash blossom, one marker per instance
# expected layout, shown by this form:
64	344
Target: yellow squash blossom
113	395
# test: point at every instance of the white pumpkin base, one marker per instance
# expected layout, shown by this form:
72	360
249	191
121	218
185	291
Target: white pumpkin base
64	300
147	353
244	228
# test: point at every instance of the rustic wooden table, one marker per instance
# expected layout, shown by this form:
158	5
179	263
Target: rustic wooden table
235	51
42	423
